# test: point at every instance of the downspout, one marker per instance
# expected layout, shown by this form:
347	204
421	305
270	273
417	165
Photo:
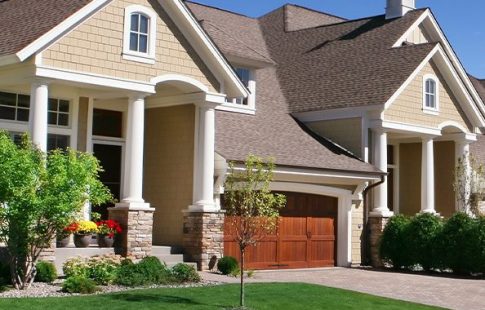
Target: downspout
365	237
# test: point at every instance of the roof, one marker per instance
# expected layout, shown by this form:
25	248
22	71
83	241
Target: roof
17	18
479	86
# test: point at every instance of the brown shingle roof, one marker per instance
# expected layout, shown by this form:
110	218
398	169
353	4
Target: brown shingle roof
479	86
298	18
24	21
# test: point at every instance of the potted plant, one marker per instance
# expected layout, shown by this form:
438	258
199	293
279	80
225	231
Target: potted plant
63	236
84	232
107	229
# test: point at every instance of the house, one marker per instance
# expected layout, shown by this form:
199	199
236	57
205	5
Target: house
364	118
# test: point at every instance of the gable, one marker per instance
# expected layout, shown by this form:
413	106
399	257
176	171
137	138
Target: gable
418	36
96	47
408	106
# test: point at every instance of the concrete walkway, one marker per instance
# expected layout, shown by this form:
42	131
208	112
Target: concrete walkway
444	292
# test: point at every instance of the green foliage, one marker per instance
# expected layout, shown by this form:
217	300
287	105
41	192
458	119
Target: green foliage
393	246
147	272
79	285
227	265
4	274
76	267
46	272
43	192
100	269
185	273
422	234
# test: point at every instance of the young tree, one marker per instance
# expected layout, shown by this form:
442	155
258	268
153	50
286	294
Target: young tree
250	205
468	184
39	195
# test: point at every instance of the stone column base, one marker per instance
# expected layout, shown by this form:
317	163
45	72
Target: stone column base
137	223
203	237
377	225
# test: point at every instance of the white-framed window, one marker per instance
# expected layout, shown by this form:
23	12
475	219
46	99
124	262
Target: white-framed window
244	74
139	38
243	105
14	107
430	94
58	112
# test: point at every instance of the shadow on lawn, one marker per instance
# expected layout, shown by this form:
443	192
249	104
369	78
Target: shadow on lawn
156	299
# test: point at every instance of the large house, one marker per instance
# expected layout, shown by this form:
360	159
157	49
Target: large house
365	118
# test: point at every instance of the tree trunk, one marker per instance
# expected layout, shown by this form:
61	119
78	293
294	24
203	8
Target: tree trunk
241	300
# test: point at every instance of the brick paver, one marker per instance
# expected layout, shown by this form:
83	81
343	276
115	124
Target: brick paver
453	293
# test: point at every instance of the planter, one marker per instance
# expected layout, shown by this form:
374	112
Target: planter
105	241
82	241
62	241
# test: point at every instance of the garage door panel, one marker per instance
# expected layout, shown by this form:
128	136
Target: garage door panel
265	251
293	251
292	226
322	250
322	226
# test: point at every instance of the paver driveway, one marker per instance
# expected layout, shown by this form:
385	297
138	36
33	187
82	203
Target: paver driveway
445	292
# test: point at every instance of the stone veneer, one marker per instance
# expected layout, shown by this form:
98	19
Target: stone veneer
377	225
136	239
49	254
203	237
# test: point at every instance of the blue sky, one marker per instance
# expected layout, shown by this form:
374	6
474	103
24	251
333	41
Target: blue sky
463	21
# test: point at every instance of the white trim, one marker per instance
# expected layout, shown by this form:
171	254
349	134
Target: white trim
8	60
195	34
436	109
310	189
411	29
237	108
397	126
61	29
335	114
179	78
149	56
94	79
452	124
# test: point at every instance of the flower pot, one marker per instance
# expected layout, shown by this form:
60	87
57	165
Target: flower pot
82	241
63	241
105	241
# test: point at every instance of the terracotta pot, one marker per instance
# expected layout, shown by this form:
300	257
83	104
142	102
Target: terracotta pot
105	241
62	241
82	241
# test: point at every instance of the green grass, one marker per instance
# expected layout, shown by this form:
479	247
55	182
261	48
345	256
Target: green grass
259	296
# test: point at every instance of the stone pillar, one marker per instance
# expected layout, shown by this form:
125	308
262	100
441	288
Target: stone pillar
39	98
203	237
377	225
427	176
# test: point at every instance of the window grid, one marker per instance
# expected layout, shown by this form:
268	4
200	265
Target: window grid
58	112
14	107
430	94
139	33
243	74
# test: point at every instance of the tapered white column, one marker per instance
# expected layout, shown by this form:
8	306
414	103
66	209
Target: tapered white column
204	170
380	161
133	176
462	161
39	98
427	176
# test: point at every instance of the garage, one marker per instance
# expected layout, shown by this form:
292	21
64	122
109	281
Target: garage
305	238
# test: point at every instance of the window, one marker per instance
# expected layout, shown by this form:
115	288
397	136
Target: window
107	123
58	112
57	142
430	94
244	75
139	34
243	105
14	107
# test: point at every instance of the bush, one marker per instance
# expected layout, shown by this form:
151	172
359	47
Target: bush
5	278
101	269
421	237
227	265
46	272
147	272
76	267
393	245
185	273
78	284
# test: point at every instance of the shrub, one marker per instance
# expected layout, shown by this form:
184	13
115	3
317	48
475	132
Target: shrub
227	264
5	274
148	271
46	272
185	273
421	237
101	269
393	245
76	267
78	284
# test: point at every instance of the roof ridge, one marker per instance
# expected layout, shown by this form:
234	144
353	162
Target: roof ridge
315	10
220	9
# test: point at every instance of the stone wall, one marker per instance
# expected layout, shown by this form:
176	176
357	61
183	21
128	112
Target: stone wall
49	254
377	225
203	237
136	239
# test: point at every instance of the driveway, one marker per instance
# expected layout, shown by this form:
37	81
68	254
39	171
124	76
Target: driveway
445	292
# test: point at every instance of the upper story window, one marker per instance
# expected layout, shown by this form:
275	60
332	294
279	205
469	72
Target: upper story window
430	94
244	75
243	105
139	38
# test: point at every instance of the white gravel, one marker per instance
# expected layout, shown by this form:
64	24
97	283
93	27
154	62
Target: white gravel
38	290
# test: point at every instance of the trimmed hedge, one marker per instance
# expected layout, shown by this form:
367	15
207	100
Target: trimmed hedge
227	265
426	240
46	272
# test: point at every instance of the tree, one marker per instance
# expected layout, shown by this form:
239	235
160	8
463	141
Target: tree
468	184
250	205
39	195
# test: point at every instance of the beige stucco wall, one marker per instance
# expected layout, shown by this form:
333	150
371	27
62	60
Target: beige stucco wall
408	107
168	169
96	47
444	160
357	232
346	132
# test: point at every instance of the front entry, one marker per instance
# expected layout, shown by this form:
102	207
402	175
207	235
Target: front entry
305	236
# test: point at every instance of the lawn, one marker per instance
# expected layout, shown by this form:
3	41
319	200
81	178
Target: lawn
259	296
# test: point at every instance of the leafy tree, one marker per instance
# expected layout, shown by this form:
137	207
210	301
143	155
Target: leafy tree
250	205
39	195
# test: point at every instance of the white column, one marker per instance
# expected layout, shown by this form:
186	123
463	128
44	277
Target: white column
204	170
380	161
427	176
39	98
462	151
133	173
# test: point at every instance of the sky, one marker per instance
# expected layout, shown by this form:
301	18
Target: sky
463	21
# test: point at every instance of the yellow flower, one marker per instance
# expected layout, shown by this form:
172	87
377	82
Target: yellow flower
87	227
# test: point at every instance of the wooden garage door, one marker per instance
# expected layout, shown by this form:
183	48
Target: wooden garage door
306	236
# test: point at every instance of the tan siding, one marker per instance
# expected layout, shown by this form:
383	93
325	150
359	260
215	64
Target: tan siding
96	47
168	169
82	124
357	231
408	107
346	132
444	156
410	178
